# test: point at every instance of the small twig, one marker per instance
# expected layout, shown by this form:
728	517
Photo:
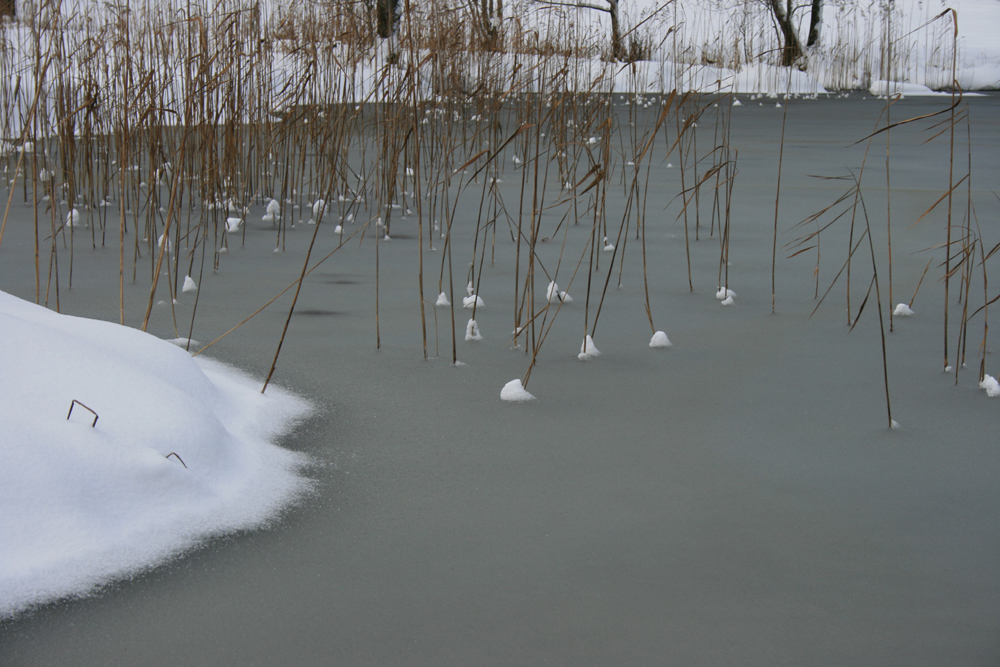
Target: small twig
175	454
76	402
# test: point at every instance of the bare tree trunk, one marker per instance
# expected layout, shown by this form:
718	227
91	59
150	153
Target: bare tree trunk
792	49
386	17
617	50
815	22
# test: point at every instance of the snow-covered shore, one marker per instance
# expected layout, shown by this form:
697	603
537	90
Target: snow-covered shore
86	504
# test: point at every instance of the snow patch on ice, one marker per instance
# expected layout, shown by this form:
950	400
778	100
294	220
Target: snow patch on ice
84	505
442	300
903	310
660	339
588	350
555	296
991	386
473	301
514	391
472	331
189	285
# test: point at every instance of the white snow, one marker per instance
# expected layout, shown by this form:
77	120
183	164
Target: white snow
660	339
233	224
729	301
903	310
273	211
473	301
991	386
442	300
84	505
73	218
472	331
515	391
189	285
317	210
555	296
588	350
725	293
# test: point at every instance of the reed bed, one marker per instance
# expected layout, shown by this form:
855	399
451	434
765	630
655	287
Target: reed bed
160	130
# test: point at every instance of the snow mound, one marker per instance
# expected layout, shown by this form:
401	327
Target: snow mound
514	391
991	386
442	300
729	301
588	350
232	224
660	339
473	301
725	293
87	504
903	310
555	296
189	285
472	331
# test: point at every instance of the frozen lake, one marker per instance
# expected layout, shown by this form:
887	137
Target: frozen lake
735	499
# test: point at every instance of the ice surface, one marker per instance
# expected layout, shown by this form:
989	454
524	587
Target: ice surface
515	391
83	505
588	350
660	339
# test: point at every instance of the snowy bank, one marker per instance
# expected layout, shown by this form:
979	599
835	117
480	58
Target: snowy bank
85	503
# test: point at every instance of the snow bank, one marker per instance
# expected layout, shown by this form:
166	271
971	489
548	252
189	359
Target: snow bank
84	505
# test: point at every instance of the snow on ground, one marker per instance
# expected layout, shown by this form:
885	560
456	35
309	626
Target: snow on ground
87	504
